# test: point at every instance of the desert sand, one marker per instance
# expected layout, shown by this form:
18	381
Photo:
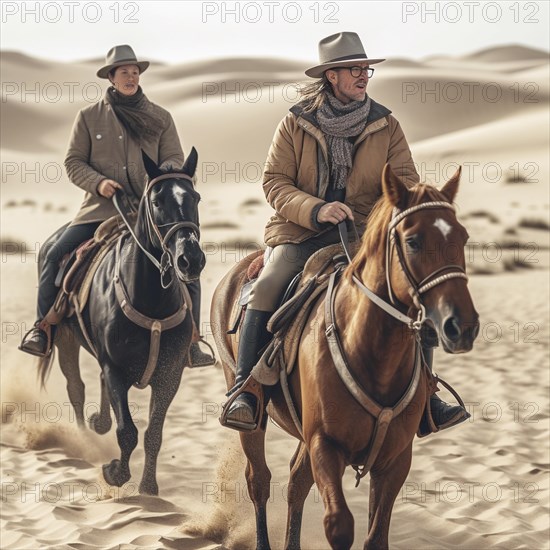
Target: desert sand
484	484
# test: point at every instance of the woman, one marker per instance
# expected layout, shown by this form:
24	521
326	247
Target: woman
105	155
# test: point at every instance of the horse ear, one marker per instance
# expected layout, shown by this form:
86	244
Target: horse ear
450	189
150	166
191	163
394	189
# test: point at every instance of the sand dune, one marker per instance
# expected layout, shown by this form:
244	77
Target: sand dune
482	485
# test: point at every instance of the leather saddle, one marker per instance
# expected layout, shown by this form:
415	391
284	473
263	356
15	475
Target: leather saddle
76	270
288	321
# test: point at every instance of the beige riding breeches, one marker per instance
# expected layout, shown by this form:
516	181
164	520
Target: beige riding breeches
282	264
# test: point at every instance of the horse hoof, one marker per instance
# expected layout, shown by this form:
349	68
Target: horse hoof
149	488
97	426
114	474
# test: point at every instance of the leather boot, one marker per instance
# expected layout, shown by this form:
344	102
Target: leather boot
253	337
36	341
444	415
197	356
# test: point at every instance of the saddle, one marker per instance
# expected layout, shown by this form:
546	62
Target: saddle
289	321
78	269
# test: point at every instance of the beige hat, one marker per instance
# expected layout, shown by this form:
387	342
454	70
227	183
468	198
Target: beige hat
120	55
339	50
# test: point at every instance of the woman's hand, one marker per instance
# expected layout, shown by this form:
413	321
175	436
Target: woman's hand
107	188
334	212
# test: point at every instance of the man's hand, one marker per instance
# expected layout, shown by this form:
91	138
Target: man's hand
334	212
107	188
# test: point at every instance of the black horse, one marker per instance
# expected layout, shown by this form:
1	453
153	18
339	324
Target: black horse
145	272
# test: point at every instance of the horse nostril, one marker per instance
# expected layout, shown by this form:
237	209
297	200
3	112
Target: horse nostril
452	329
183	264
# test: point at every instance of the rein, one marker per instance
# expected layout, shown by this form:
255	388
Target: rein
382	304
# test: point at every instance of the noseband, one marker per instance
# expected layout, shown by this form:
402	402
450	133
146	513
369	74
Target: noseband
166	262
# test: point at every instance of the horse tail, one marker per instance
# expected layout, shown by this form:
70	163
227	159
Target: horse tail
44	368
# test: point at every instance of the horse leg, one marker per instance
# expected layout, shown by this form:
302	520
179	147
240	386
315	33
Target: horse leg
384	486
117	472
328	466
161	397
68	349
101	423
301	480
258	479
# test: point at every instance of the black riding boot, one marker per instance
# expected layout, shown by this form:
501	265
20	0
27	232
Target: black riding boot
444	415
252	339
198	357
36	342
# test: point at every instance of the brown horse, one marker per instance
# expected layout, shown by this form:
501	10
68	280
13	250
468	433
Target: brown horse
404	259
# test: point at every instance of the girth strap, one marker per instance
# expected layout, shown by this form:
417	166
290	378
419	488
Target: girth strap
383	415
156	326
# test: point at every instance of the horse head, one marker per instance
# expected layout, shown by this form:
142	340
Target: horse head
170	207
420	244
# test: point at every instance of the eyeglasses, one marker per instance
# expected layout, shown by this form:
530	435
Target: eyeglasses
357	71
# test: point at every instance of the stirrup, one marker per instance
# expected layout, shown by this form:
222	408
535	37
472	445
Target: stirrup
207	363
47	329
427	420
252	386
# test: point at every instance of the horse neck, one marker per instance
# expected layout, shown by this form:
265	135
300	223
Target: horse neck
378	347
142	278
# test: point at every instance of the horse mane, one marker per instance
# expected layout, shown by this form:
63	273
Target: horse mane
374	240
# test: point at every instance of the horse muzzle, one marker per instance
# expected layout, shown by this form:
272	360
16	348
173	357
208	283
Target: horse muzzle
457	335
189	264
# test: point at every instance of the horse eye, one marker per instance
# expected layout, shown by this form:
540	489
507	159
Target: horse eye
412	244
155	203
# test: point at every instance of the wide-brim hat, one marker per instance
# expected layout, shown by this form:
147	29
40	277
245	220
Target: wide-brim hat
118	56
339	50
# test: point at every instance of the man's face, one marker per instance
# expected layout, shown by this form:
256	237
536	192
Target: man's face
346	87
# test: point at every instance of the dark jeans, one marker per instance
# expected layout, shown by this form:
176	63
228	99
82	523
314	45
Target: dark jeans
70	239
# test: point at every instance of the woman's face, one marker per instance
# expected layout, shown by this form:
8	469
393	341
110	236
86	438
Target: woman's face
126	79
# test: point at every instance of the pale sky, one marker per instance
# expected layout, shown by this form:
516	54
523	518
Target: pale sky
177	31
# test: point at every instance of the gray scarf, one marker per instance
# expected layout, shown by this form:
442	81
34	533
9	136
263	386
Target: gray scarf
339	122
135	114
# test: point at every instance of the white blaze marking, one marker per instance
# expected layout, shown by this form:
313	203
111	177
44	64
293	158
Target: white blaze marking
443	226
178	195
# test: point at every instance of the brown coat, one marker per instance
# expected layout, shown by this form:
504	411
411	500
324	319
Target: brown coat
296	176
100	148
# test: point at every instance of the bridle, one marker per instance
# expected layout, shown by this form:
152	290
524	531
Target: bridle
166	261
417	289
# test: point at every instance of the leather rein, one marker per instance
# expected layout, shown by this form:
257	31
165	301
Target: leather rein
384	415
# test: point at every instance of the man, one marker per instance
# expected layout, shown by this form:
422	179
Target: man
324	166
